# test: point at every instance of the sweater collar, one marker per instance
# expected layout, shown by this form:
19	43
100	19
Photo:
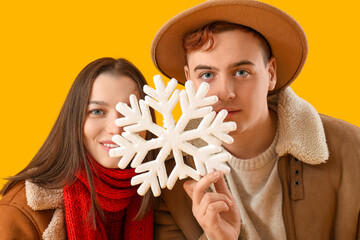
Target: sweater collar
301	132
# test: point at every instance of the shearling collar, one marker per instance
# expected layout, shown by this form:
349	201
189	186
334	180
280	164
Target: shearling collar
39	198
301	132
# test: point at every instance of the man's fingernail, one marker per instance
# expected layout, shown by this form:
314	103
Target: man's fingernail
217	173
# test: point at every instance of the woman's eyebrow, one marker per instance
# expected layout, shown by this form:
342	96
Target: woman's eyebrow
97	102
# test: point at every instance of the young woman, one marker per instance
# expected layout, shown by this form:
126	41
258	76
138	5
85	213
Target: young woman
72	189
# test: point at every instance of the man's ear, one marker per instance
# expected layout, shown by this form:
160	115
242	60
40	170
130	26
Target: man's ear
271	67
187	73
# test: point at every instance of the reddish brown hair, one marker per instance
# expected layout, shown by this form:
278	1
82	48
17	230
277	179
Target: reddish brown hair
64	152
197	39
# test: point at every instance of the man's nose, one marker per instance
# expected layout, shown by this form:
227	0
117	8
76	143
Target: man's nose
225	89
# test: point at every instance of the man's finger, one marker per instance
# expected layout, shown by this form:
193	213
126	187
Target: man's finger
203	184
215	208
221	187
189	186
210	198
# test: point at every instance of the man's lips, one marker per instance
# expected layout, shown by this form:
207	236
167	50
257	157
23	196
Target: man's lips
231	112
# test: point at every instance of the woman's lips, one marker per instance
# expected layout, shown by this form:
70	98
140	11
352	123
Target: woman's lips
107	145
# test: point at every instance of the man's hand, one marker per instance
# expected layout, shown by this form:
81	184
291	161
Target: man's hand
216	212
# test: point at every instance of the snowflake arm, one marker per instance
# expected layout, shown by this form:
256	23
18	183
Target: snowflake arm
181	170
194	104
137	118
162	100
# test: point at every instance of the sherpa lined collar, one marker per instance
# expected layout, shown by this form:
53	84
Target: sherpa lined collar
301	132
39	198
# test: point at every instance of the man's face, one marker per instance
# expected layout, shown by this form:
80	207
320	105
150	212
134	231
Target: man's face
237	75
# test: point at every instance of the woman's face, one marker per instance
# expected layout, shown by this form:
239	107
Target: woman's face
99	125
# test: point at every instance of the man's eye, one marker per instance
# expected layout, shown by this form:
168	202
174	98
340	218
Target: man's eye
97	112
206	75
241	73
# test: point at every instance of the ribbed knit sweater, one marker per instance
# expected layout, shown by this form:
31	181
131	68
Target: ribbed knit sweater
256	187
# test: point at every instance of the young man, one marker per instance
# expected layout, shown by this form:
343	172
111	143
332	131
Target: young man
294	174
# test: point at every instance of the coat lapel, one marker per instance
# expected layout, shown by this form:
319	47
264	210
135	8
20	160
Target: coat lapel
39	198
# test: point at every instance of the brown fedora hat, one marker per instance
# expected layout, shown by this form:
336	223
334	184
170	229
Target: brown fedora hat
285	36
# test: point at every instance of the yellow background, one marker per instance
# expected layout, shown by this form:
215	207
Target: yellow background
44	44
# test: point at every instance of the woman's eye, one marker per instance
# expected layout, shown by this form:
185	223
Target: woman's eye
206	75
241	73
97	112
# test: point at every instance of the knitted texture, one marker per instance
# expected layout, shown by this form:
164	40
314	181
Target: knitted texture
256	187
116	197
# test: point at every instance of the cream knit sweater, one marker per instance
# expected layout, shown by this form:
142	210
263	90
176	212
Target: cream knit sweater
256	187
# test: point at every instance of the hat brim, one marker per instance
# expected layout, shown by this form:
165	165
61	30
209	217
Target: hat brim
285	36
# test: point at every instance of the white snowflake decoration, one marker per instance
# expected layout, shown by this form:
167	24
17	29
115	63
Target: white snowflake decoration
171	137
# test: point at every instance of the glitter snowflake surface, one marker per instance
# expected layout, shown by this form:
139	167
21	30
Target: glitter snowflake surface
171	137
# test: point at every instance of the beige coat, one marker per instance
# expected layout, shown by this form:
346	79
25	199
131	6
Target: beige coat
321	191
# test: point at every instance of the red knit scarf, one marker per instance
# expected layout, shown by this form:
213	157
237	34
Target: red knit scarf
117	198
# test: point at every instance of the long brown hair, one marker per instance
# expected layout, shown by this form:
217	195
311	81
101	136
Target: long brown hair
64	152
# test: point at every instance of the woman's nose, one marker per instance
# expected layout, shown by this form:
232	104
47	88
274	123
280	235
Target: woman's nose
111	126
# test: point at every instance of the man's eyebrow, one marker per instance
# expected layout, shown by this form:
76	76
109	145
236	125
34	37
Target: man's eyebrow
245	62
202	67
205	67
97	102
